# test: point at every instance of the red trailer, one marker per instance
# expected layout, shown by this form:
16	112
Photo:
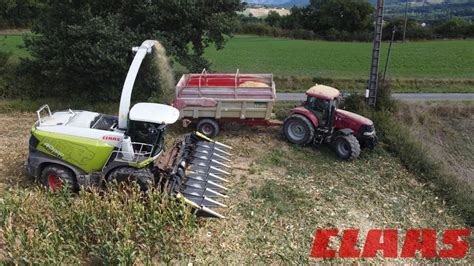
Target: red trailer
213	99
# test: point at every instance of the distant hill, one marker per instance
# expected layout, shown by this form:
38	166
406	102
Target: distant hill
418	9
286	3
306	2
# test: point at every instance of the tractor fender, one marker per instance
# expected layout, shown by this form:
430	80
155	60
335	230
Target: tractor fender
306	113
344	132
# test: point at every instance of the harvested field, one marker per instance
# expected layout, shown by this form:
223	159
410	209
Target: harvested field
280	194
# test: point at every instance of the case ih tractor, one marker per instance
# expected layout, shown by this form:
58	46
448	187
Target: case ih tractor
81	148
319	121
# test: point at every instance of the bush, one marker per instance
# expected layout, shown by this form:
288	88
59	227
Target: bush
454	28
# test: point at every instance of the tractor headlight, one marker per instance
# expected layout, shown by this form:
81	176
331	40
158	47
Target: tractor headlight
369	130
369	133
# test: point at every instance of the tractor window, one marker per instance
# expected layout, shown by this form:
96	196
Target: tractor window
318	107
148	133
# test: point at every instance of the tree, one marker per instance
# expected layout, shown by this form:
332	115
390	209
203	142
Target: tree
83	47
18	13
454	28
344	15
273	19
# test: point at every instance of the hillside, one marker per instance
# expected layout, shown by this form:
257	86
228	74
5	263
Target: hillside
420	9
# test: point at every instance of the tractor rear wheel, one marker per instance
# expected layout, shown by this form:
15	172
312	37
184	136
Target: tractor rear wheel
55	177
347	147
208	127
298	130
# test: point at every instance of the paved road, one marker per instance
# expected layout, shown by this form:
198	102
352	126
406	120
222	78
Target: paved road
283	96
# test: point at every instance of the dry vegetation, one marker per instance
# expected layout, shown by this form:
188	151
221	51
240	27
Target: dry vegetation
446	130
280	195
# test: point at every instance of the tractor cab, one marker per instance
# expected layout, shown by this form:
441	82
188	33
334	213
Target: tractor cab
147	124
322	101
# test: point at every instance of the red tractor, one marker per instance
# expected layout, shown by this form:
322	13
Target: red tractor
318	121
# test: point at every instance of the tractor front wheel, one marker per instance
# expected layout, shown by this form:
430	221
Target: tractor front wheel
298	130
55	177
347	147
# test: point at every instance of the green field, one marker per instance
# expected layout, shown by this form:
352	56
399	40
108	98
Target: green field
430	59
13	44
431	66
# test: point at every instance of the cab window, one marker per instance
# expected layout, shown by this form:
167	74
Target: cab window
318	107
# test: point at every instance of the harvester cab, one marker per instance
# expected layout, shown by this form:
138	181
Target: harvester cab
84	149
319	121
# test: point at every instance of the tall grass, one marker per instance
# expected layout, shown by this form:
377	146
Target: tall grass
43	227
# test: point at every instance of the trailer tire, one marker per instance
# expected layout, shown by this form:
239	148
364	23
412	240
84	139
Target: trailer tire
208	127
347	147
298	130
55	177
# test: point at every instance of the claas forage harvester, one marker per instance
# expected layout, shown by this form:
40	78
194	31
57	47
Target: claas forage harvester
83	148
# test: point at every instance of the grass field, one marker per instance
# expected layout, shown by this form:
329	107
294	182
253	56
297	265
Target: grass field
285	57
430	59
14	45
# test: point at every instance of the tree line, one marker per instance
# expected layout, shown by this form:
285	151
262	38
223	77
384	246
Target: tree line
348	20
82	48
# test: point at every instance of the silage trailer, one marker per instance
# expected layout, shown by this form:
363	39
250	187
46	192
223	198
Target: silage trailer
210	100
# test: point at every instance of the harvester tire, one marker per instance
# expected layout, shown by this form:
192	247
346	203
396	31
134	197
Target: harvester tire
125	176
347	147
55	177
298	129
208	127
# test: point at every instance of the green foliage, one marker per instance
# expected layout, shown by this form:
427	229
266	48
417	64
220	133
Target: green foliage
328	19
414	30
41	227
456	28
18	13
273	18
84	48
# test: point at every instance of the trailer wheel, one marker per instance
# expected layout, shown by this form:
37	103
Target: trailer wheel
55	177
347	147
208	127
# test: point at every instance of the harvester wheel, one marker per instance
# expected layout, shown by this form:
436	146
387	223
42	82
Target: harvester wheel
208	127
298	129
125	176
56	176
347	147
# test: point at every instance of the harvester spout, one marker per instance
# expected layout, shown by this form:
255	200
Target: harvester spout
145	48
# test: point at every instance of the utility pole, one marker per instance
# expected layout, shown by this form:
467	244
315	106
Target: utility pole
371	92
406	20
389	54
